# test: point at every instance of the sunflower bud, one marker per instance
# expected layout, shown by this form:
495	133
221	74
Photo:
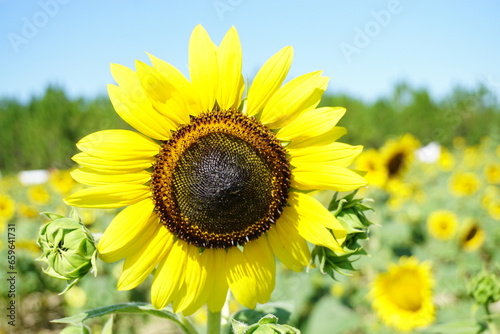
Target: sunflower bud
485	288
68	248
268	324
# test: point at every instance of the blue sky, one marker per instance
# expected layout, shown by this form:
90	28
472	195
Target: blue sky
364	47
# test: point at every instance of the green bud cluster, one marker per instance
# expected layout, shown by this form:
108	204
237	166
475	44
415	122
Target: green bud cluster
485	288
267	325
350	212
68	248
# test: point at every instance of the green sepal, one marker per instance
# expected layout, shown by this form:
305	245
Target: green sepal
266	325
350	213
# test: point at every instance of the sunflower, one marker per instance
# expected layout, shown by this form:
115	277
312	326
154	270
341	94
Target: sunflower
397	154
7	210
442	224
472	236
61	181
215	184
38	194
492	173
402	296
446	161
370	161
464	184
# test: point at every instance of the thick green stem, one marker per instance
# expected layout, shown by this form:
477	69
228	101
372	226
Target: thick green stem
213	322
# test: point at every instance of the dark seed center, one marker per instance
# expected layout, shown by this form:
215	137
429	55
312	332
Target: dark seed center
222	185
221	181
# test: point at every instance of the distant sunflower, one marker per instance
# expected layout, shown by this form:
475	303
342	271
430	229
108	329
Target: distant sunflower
215	188
371	162
397	154
442	224
61	181
464	184
446	161
402	296
494	208
472	236
38	194
492	173
7	210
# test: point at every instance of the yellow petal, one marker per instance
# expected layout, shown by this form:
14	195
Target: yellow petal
141	263
203	68
268	80
140	107
179	81
251	273
311	124
229	87
298	95
328	137
290	248
124	76
340	154
196	277
108	196
109	166
92	178
217	284
135	109
124	229
171	73
118	145
325	176
163	94
260	256
314	222
169	278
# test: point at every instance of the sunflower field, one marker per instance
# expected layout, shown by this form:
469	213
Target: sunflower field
433	199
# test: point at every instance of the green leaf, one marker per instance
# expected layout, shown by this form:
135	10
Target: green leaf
238	326
81	329
268	319
108	326
51	215
264	330
74	215
455	327
140	308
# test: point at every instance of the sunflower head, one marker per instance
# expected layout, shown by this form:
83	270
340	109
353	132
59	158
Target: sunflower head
38	194
472	236
215	184
446	161
397	154
402	296
492	172
442	224
464	184
371	162
7	208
